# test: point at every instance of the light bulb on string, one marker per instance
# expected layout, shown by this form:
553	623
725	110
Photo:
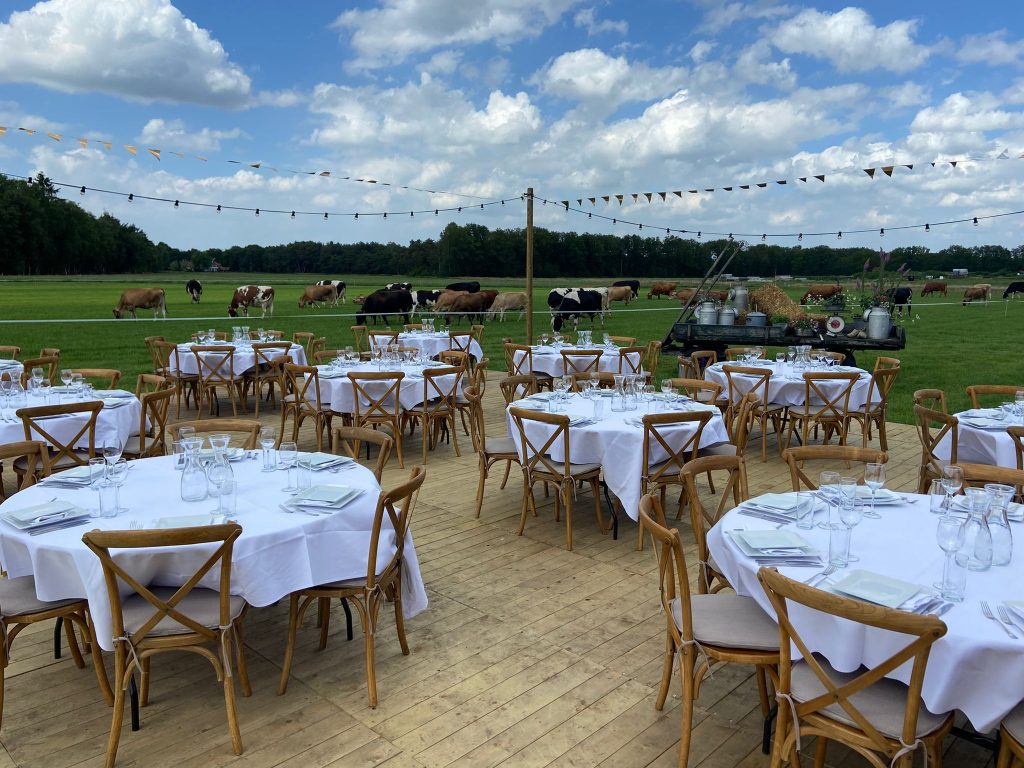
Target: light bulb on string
764	237
730	237
218	208
385	214
257	211
357	216
927	227
800	237
175	203
881	232
975	221
81	191
839	235
411	214
131	197
293	214
698	234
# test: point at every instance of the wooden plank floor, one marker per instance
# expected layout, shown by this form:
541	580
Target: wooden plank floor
528	655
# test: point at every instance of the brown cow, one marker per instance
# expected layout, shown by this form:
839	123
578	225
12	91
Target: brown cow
142	298
987	287
491	296
316	295
507	302
661	288
721	296
470	305
685	294
934	286
446	299
620	293
819	292
246	296
975	292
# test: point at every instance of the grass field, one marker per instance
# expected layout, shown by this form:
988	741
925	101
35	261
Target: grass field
948	346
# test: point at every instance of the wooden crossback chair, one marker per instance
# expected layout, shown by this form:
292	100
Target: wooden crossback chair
461	341
160	619
168	359
394	511
63	453
244	432
1011	738
885	363
104	378
360	337
981	474
1017	435
932	428
454	357
151	438
324	356
795	457
304	384
824	406
932	399
489	450
624	341
49	363
517	387
36	462
266	371
701	390
735	353
381	339
580	360
436	411
816	700
152	382
655	477
347	440
384	409
631	360
520	359
9	351
702	518
876	409
412	327
764	411
703	630
699	361
1002	391
538	467
478	333
216	365
604	379
652	355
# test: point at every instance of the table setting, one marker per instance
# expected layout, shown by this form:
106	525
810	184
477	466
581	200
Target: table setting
431	343
337	391
982	435
786	385
119	417
547	357
244	358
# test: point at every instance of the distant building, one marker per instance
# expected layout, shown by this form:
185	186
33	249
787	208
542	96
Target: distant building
959	273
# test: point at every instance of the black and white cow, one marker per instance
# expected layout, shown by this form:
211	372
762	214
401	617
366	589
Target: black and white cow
398	287
901	299
573	302
339	286
1013	289
634	285
424	301
469	285
383	303
194	289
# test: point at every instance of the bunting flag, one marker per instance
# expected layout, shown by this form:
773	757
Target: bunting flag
154	152
131	150
54	136
84	143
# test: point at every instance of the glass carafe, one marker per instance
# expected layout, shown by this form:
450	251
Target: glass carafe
976	552
998	524
193	476
629	386
619	392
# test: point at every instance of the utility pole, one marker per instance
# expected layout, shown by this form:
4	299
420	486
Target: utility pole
529	265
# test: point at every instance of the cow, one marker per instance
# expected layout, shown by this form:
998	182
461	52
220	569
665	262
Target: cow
383	303
472	286
934	286
339	286
901	298
633	285
398	287
661	288
575	302
1013	288
142	298
970	294
507	302
620	293
446	299
820	292
721	296
987	287
246	296
685	294
316	295
424	300
490	295
469	305
194	289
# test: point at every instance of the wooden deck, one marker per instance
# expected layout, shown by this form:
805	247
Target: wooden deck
528	655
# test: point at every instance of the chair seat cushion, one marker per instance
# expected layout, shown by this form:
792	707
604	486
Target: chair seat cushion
65	462
558	468
18	597
883	703
200	605
730	621
500	445
132	446
1014	722
718	449
671	476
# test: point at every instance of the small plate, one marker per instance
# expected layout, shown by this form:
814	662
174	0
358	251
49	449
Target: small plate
754	542
325	494
37	515
187	521
234	454
322	460
876	588
883	496
784	502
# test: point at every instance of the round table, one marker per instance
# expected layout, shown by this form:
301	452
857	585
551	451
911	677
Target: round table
244	358
548	359
981	440
616	441
785	389
336	390
278	552
119	417
432	344
975	668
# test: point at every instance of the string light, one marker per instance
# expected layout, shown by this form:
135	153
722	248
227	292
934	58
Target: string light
218	207
764	237
357	216
176	206
81	191
325	215
257	211
131	197
293	214
698	235
385	214
975	221
839	236
881	232
800	237
927	227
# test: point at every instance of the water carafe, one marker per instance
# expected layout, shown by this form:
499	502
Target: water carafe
998	524
975	554
193	477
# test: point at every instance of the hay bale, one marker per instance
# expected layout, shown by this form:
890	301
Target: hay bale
773	301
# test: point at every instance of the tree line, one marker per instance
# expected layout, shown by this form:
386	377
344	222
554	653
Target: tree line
43	234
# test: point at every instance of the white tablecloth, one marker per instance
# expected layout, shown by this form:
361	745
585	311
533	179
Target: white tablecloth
784	390
548	359
244	358
433	343
617	445
276	554
980	445
119	421
338	392
975	667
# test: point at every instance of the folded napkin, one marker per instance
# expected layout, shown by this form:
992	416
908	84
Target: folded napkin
322	460
81	474
113	393
982	423
784	502
51	510
114	402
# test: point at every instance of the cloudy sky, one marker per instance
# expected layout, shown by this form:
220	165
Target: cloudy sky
479	100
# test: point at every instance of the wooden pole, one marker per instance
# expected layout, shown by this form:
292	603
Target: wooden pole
529	265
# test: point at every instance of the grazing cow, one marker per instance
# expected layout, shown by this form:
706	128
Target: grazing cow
383	303
633	285
194	289
1013	289
424	300
142	298
576	302
721	296
934	286
472	286
820	292
901	298
685	294
987	287
507	302
661	288
472	306
339	286
490	295
620	293
446	299
398	287
971	294
316	295
246	296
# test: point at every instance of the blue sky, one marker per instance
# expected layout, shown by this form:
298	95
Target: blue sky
480	100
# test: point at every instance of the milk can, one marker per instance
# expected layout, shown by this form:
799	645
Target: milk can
707	314
726	316
739	298
879	323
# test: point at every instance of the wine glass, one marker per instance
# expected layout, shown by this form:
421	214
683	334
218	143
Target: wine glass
1018	404
544	339
666	388
949	533
97	474
847	491
828	485
952	481
65	376
268	438
874	478
288	455
118	474
112	448
850	513
37	377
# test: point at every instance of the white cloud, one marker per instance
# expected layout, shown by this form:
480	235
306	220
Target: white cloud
284	98
442	63
907	94
963	113
592	76
700	51
398	29
992	49
851	41
720	15
143	50
586	19
754	65
172	135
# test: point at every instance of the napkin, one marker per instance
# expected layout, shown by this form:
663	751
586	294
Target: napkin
114	402
322	460
36	511
113	393
783	502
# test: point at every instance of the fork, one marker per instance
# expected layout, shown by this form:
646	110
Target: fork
1004	615
989	615
134	525
820	577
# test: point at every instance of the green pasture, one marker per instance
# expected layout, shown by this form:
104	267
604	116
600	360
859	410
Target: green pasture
948	346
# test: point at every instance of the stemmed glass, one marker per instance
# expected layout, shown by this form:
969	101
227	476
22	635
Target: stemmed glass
949	533
220	477
112	448
850	513
288	455
874	478
118	474
97	474
847	488
952	481
37	377
1018	405
666	389
544	339
828	485
268	438
65	376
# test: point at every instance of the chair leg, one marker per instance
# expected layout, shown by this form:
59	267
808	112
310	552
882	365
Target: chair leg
687	712
566	491
229	704
819	752
243	669
480	485
57	626
324	610
508	469
666	672
289	649
348	618
118	715
400	617
76	653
